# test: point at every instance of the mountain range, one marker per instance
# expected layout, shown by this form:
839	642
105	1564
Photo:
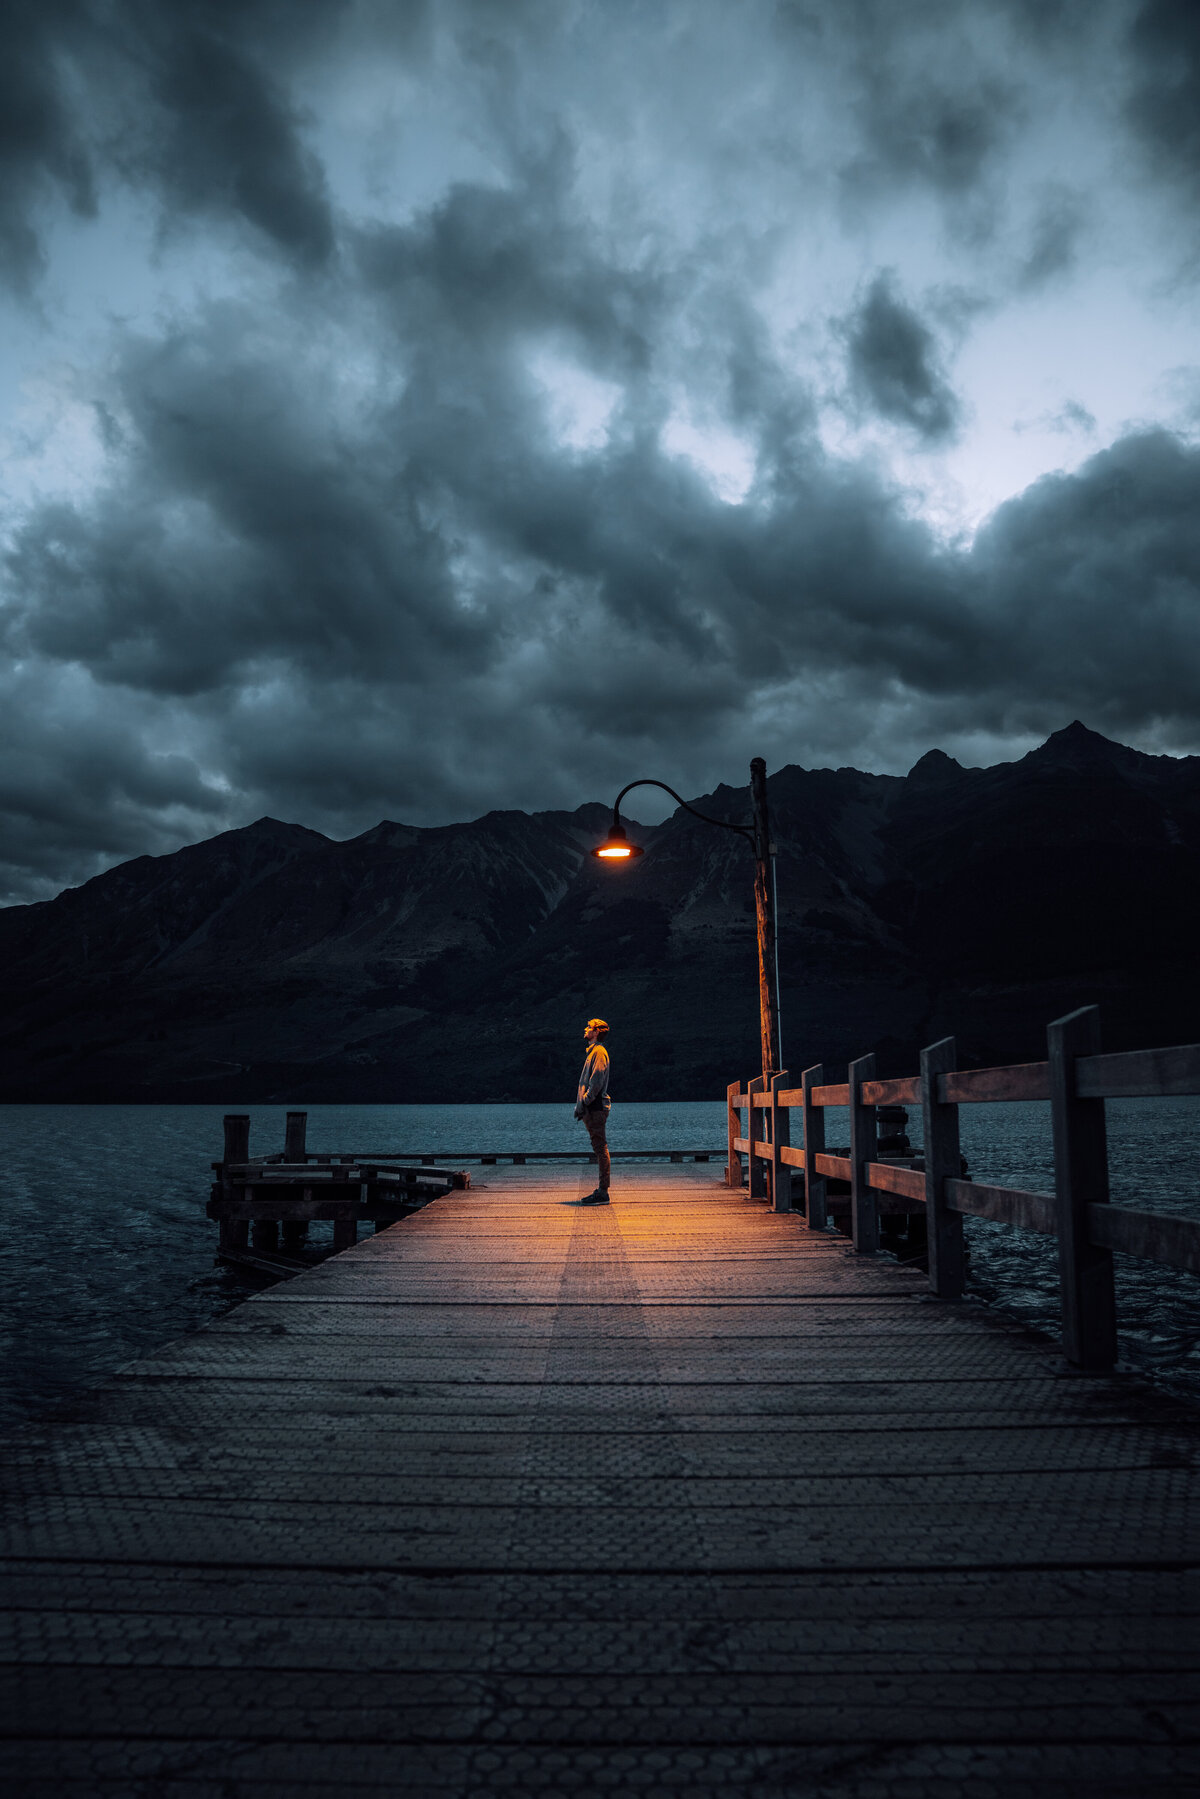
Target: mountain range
460	962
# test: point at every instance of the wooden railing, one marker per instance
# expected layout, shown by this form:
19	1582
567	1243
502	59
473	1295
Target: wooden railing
1075	1079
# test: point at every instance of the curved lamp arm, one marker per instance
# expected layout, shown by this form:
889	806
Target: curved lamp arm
746	831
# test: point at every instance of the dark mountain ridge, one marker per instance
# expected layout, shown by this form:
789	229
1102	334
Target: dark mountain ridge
457	962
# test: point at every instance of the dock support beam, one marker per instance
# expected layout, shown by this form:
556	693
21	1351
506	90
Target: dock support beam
864	1139
816	1213
294	1231
781	1174
733	1130
1085	1269
234	1233
345	1228
756	1172
943	1162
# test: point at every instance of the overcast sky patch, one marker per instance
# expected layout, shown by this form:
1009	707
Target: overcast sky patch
408	412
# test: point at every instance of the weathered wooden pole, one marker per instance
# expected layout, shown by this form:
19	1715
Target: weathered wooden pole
345	1225
815	1208
234	1233
781	1174
943	1162
1085	1269
237	1137
294	1231
864	1205
294	1149
733	1130
756	1171
764	911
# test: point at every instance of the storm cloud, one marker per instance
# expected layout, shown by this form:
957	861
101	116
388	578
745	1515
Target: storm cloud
472	422
894	364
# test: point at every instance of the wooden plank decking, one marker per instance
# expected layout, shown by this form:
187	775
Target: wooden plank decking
669	1496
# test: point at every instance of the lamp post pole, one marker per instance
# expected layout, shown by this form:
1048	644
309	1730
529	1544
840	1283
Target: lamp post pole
764	914
618	848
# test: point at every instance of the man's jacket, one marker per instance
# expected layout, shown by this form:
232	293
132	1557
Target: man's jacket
593	1082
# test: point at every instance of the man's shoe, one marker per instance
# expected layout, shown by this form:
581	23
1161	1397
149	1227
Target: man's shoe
597	1198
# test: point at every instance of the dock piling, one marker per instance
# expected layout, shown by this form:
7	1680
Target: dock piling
756	1173
294	1231
1089	1306
781	1174
815	1208
864	1206
234	1232
943	1161
733	1131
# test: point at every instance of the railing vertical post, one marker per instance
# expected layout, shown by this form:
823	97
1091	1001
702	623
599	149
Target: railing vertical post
754	1135
781	1174
234	1233
943	1161
1085	1270
864	1207
294	1140
816	1214
293	1232
237	1137
345	1225
733	1130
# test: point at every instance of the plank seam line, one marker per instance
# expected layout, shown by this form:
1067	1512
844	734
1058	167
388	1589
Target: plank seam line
282	1378
628	1670
605	1746
701	1570
693	1477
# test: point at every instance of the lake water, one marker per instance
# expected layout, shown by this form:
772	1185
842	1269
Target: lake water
105	1251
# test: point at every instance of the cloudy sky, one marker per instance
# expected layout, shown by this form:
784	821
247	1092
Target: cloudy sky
409	409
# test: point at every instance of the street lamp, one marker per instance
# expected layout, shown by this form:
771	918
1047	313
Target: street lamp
617	848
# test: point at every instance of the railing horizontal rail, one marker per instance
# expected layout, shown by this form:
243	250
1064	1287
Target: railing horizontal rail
982	1086
1004	1205
894	1205
885	1177
1139	1073
1155	1236
1129	1074
838	1167
906	1092
888	1177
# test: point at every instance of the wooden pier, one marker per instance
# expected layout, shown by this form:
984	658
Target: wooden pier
676	1495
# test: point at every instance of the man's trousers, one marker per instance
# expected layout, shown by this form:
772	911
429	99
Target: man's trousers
596	1120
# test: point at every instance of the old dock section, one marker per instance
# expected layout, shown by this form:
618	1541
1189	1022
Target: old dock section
673	1495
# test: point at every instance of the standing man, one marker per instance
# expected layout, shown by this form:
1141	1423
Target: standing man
593	1103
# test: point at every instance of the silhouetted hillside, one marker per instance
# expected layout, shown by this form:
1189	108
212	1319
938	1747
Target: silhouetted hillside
460	962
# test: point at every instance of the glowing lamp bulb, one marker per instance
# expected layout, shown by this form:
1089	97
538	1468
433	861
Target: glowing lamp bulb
616	846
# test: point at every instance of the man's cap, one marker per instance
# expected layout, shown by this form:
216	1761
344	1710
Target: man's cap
595	1024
